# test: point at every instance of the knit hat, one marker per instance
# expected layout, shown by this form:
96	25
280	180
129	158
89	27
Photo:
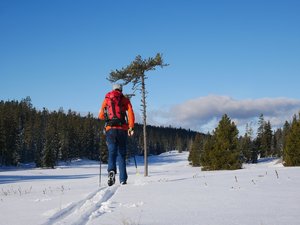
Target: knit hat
117	87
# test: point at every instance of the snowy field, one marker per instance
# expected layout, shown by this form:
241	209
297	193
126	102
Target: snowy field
173	194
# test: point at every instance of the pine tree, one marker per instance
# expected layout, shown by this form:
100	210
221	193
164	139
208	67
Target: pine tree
51	147
207	157
285	131
260	136
2	141
196	150
278	143
250	143
223	152
292	144
264	138
179	145
63	136
246	145
267	139
11	155
38	139
135	73
27	113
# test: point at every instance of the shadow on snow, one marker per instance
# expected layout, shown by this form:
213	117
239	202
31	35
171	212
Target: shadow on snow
5	179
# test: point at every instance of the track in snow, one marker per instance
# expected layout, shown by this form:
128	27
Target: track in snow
81	212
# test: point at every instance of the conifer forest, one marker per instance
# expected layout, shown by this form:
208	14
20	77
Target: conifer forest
45	138
28	135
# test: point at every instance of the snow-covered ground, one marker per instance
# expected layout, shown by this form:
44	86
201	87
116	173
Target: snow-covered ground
173	194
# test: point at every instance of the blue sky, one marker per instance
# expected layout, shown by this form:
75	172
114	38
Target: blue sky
240	57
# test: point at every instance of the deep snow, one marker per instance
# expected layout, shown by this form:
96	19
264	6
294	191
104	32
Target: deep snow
174	193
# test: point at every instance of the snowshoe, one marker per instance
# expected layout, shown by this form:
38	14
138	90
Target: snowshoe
111	178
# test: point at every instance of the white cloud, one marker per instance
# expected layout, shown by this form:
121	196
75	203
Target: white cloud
203	113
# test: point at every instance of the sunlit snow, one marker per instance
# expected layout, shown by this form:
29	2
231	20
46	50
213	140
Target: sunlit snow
174	193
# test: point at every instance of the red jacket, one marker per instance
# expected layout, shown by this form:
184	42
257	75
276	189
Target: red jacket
130	114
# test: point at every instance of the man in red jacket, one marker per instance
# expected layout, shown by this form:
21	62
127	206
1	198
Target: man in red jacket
117	111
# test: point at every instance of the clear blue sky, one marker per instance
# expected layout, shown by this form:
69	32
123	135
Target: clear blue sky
240	57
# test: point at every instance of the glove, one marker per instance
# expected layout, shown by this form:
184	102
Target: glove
130	131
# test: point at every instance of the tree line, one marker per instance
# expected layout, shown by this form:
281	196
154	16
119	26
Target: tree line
45	138
224	149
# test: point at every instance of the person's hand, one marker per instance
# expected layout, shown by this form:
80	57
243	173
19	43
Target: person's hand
130	131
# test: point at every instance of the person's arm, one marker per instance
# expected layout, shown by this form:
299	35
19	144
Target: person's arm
131	118
101	114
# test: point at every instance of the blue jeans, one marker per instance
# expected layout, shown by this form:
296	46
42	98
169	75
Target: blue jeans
116	142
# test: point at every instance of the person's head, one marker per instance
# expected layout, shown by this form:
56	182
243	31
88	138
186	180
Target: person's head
117	86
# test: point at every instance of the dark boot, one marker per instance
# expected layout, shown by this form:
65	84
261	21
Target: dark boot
111	178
